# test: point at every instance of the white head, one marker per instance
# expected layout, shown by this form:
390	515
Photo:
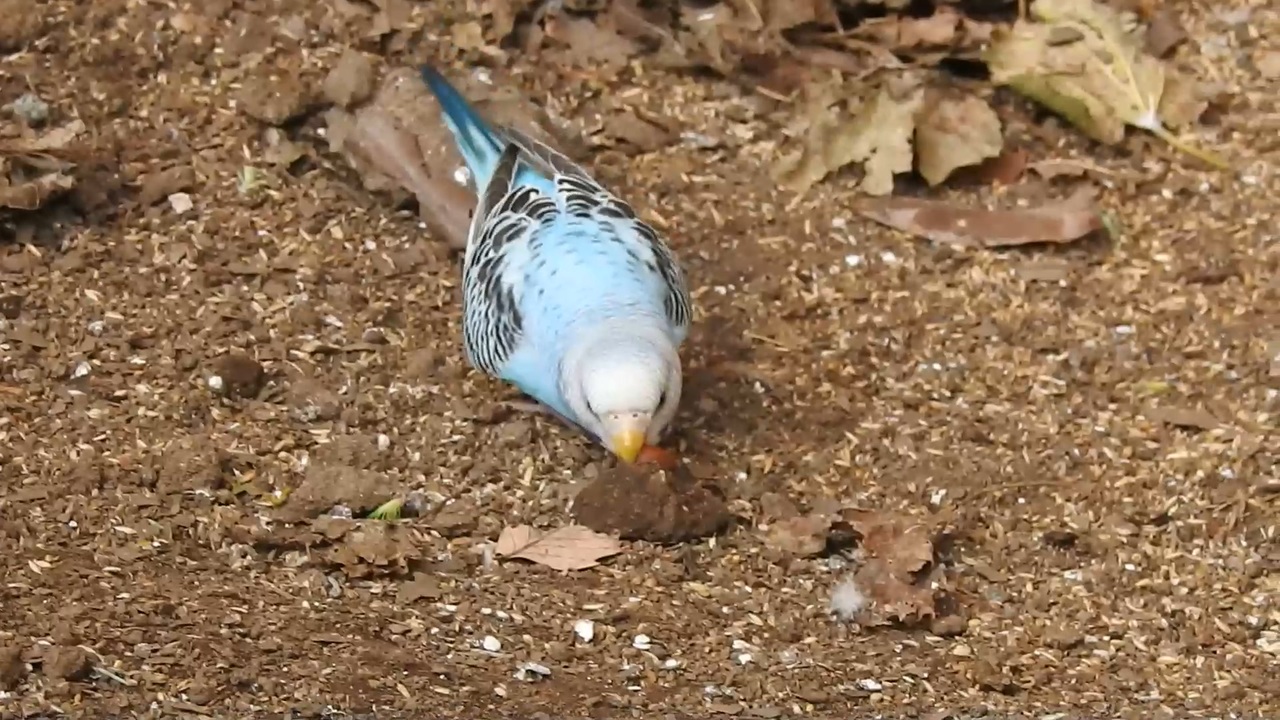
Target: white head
623	384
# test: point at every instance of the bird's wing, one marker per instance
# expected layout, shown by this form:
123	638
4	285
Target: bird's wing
505	217
580	194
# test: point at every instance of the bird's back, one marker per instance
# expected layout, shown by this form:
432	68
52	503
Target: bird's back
575	273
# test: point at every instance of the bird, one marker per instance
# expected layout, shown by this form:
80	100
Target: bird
566	293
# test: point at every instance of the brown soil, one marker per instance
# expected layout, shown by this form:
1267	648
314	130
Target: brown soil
1092	428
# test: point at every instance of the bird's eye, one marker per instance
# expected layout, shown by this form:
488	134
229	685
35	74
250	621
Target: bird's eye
662	399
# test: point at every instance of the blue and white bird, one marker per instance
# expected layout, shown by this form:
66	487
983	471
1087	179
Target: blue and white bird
565	292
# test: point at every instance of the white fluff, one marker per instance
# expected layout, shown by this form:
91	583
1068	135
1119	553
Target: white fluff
847	600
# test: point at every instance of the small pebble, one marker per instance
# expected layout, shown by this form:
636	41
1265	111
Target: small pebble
531	671
870	685
641	642
585	630
491	644
30	108
181	203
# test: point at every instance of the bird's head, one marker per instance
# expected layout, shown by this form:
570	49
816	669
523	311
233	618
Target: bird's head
626	390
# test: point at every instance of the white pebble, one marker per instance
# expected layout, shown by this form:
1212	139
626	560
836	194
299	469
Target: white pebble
530	671
181	202
491	644
96	327
384	442
743	658
215	383
641	642
585	630
870	685
82	368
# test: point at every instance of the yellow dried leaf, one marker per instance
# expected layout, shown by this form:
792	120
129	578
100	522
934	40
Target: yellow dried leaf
878	136
1076	58
956	133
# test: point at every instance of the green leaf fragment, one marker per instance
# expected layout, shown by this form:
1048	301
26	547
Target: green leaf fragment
389	510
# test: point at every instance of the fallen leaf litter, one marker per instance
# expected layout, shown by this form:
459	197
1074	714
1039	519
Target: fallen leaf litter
924	473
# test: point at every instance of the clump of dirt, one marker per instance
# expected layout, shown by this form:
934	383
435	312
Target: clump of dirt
644	502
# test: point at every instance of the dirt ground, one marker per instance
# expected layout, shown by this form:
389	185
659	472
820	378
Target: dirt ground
1093	425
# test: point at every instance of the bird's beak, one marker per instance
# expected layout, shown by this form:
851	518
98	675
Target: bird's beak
628	443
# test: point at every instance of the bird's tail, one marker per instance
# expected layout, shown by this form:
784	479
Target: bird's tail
477	143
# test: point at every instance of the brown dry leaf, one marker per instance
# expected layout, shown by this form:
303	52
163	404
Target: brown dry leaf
33	194
878	136
35	169
398	143
977	227
573	547
374	545
50	142
802	535
956	132
899	568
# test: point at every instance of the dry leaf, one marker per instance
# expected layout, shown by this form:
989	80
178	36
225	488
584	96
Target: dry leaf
397	142
954	133
898	571
803	535
977	227
878	136
50	142
33	194
574	547
1076	58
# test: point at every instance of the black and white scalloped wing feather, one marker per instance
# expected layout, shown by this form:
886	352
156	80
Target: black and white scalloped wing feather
512	210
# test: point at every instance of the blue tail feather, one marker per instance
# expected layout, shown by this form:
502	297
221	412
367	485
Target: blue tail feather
479	147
